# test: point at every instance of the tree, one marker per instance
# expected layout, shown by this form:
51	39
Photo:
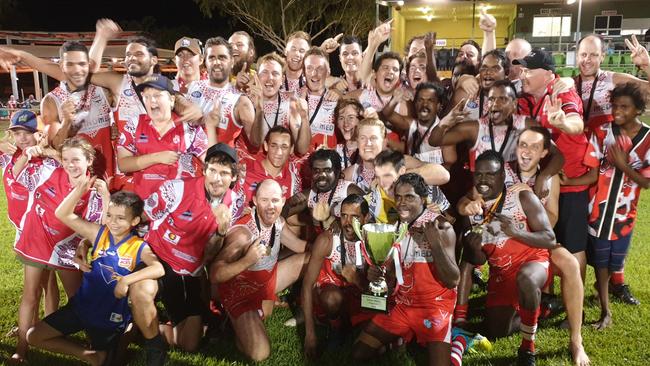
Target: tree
274	20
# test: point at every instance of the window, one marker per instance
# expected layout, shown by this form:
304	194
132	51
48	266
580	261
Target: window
553	26
608	25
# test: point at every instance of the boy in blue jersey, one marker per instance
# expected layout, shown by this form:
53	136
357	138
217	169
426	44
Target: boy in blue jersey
100	306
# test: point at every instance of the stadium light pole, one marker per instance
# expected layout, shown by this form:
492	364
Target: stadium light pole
570	2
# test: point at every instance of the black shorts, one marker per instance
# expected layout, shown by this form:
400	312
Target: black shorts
572	223
66	321
181	295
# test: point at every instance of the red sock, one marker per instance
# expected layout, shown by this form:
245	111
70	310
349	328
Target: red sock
617	278
528	327
460	313
458	346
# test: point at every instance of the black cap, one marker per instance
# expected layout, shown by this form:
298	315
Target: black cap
156	81
537	59
221	148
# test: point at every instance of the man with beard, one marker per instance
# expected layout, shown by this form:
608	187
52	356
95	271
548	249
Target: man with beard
278	164
426	274
371	140
387	69
513	234
323	199
561	113
298	43
244	55
188	59
427	101
594	87
188	220
331	288
320	101
248	272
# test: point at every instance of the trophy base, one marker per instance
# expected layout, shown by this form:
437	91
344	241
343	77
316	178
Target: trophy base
374	302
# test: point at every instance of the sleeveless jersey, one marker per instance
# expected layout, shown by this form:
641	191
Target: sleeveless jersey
293	85
50	241
362	177
600	108
514	177
473	106
95	302
181	223
330	272
333	198
204	95
17	193
276	111
418	146
345	154
484	139
421	286
321	121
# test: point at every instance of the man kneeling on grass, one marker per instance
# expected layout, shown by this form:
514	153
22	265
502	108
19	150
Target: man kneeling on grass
100	306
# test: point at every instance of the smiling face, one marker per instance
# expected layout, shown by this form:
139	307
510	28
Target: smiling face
530	150
120	220
501	105
218	178
468	52
408	204
350	211
347	121
75	162
269	201
387	75
158	103
370	141
316	71
295	52
188	64
387	175
590	56
350	57
219	63
416	46
417	71
323	176
23	138
75	67
241	50
138	61
535	80
278	148
488	178
624	110
270	75
490	71
426	106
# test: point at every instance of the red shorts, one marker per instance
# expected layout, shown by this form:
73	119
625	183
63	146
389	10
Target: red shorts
247	291
502	290
430	324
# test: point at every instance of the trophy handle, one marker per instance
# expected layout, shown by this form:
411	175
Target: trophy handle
403	229
356	225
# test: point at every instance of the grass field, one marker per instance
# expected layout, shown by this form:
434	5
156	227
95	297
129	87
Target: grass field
622	344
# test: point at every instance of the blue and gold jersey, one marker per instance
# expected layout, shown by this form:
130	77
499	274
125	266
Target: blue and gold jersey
95	302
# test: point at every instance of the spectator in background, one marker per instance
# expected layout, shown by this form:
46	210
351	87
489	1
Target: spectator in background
12	102
30	102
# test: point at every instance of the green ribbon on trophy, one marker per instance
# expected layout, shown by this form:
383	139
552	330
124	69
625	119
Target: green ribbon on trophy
379	241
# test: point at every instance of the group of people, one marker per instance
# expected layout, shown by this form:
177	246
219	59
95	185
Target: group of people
244	177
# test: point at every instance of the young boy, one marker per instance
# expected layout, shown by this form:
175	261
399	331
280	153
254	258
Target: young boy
621	162
100	306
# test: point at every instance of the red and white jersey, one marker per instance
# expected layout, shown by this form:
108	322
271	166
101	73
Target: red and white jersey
181	223
276	111
345	154
95	118
477	107
289	178
372	99
505	254
600	108
362	177
330	272
332	198
485	141
421	285
128	106
417	143
513	176
321	121
17	193
50	241
142	138
204	95
293	85
259	230
234	199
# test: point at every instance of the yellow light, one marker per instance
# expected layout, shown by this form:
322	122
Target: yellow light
569	2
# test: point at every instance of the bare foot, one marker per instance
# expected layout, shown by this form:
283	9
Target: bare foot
17	359
579	355
604	322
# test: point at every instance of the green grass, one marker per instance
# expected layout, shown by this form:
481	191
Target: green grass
622	344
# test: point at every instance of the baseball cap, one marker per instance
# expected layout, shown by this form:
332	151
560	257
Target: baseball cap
223	149
156	81
24	119
537	59
191	44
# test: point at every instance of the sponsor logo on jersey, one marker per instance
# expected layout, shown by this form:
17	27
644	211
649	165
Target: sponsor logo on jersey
125	262
116	318
196	94
143	138
129	92
171	237
187	215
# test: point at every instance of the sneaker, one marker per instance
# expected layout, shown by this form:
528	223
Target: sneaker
155	351
525	358
622	292
475	342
